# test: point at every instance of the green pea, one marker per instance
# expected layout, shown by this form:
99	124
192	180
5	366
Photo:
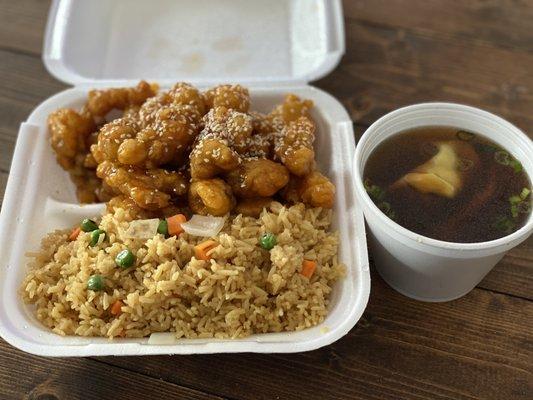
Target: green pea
268	241
95	237
88	225
96	283
125	258
162	228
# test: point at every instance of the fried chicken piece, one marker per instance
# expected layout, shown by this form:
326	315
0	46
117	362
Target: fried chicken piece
261	143
110	138
170	122
317	190
212	157
136	212
252	207
211	196
232	126
314	189
131	113
127	203
290	110
185	94
68	133
258	178
234	97
70	137
168	139
100	102
294	146
182	96
226	134
150	189
157	133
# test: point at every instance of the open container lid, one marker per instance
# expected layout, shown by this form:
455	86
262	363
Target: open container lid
199	41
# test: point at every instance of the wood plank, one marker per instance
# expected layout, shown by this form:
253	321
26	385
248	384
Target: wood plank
25	79
37	378
514	274
3	183
478	347
505	23
7	146
25	84
22	24
384	69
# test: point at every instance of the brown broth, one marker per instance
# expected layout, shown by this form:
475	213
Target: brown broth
482	209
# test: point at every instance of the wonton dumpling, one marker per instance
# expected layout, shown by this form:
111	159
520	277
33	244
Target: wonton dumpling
440	175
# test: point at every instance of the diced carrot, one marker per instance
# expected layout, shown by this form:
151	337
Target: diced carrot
74	234
308	268
201	249
116	307
174	224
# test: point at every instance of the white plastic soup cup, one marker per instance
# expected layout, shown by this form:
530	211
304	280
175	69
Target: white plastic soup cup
417	266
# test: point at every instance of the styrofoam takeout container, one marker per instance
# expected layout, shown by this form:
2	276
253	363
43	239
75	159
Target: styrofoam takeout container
271	47
418	266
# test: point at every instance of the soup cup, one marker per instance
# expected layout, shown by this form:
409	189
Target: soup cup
421	267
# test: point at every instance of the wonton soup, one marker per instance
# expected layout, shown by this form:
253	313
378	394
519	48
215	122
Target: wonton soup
449	184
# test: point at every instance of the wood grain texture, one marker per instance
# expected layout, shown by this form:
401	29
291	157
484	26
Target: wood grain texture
514	274
24	84
386	68
504	23
472	348
3	183
22	25
23	376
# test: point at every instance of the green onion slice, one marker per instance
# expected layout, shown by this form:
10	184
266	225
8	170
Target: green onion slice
502	157
465	135
464	164
504	224
517	166
524	207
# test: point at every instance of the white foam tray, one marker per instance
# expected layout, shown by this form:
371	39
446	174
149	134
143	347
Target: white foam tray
40	197
306	41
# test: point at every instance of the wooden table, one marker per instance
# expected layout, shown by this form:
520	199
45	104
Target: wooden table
479	347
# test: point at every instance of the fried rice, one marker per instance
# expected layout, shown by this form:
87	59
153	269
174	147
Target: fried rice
243	289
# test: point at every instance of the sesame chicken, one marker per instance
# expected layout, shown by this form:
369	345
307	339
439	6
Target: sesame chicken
68	134
150	189
212	157
294	146
235	97
290	110
211	196
102	101
252	207
182	148
315	190
258	178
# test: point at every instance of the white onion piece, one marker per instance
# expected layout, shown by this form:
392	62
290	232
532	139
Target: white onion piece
142	229
162	338
201	225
